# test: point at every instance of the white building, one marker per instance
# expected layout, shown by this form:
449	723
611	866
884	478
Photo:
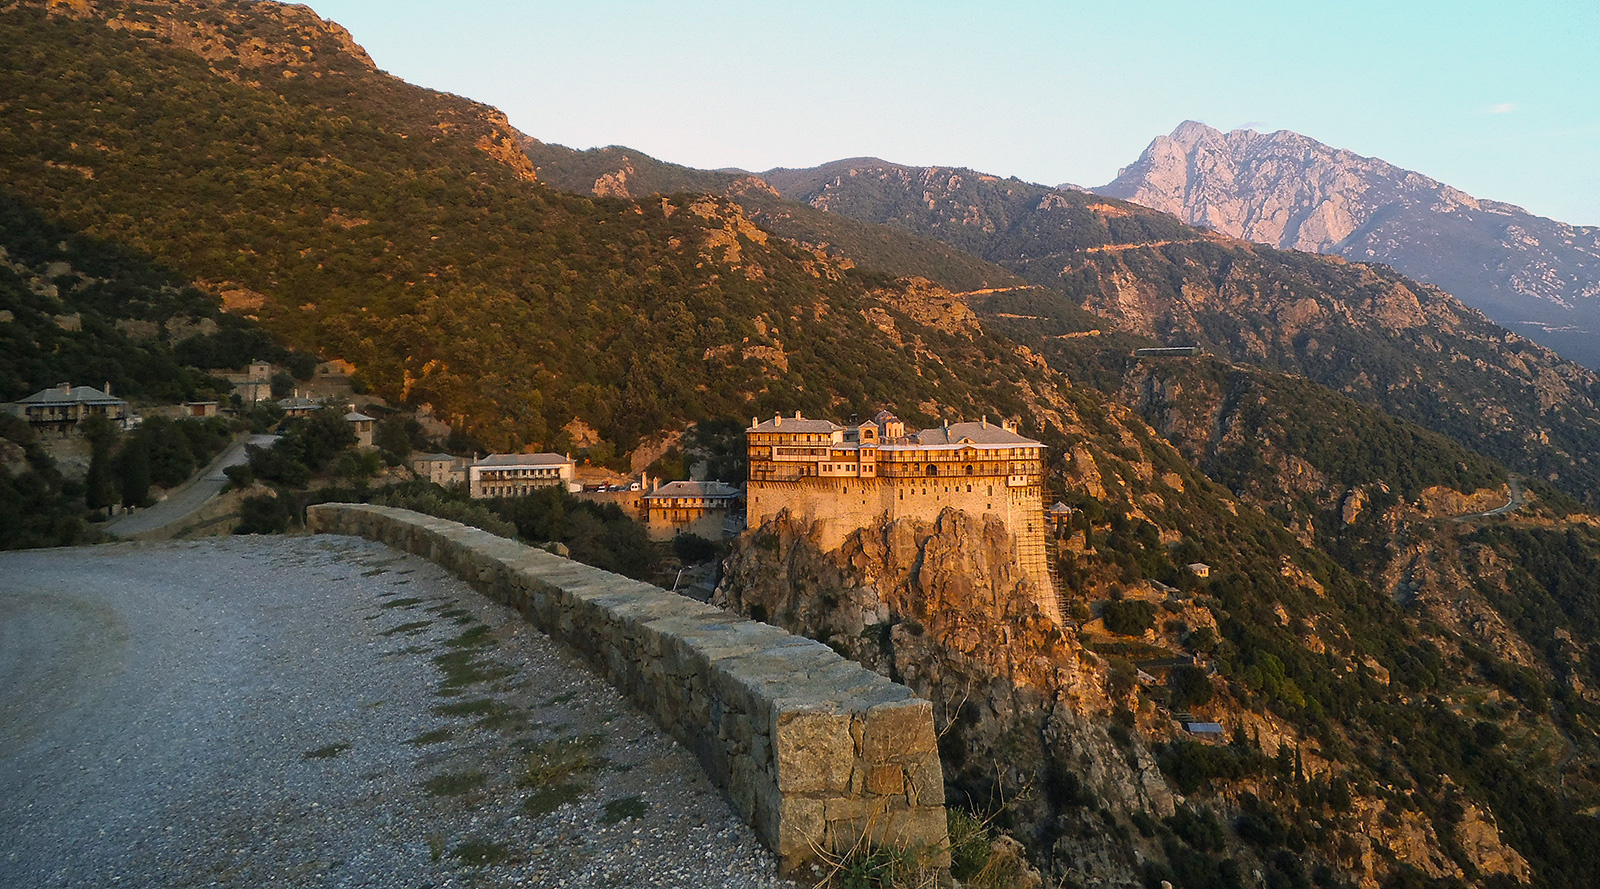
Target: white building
510	475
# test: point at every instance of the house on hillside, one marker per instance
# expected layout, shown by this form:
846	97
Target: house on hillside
511	475
298	405
689	507
200	408
1060	517
441	469
61	408
255	384
362	424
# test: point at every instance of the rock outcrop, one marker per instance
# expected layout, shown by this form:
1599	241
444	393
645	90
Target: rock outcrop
1539	276
1015	700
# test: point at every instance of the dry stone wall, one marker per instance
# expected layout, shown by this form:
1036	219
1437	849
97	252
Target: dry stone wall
814	751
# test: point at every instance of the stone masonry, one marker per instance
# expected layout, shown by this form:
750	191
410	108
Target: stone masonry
814	751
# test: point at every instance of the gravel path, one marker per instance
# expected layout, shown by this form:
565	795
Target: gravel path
323	711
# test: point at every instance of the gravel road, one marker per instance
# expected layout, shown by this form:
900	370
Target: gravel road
185	500
323	711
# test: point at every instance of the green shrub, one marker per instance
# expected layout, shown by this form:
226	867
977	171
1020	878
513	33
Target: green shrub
1129	617
263	514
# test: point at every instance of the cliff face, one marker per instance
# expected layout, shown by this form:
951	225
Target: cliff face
1066	742
1537	275
940	607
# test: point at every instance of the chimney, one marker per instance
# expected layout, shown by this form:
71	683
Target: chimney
797	415
777	419
754	423
986	421
108	387
64	388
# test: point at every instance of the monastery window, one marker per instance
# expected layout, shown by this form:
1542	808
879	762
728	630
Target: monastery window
932	470
969	489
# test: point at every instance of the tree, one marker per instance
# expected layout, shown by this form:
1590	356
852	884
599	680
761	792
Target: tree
1129	617
398	434
171	459
323	435
282	384
133	472
100	490
1190	688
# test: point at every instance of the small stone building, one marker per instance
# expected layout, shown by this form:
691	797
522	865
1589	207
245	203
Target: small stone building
362	424
689	507
298	405
255	384
441	469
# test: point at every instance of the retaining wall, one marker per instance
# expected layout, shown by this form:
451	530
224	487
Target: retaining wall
813	750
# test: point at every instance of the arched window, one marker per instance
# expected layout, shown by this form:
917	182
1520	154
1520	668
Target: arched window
932	469
969	469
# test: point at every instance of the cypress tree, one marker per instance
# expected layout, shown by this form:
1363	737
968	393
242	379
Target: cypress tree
133	472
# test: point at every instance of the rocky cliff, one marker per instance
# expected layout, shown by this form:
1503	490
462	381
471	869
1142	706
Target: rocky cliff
942	608
1068	747
1536	275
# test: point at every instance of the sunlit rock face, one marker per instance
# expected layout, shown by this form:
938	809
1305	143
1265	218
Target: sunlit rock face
1536	275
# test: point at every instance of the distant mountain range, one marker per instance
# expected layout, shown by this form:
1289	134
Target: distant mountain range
1361	330
1534	275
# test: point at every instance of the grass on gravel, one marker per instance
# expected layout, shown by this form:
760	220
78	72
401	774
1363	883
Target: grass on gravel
461	669
472	637
559	759
454	783
478	852
556	771
434	736
411	628
328	752
545	800
623	809
492	714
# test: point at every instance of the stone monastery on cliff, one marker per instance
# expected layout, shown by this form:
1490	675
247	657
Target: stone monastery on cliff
842	478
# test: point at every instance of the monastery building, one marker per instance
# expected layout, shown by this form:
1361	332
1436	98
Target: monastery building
846	477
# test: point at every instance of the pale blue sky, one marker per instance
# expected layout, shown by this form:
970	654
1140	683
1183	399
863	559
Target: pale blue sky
1500	99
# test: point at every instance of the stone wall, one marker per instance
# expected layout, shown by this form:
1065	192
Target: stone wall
812	750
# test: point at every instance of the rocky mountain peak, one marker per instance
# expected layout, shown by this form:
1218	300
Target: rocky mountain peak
1286	190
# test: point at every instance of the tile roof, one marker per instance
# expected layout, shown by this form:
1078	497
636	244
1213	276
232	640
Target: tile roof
710	489
75	395
523	460
977	433
796	424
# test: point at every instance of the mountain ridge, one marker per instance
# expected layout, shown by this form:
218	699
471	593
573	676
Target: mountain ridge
1290	191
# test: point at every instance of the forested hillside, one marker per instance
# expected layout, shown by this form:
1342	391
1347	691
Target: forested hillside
91	312
399	229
